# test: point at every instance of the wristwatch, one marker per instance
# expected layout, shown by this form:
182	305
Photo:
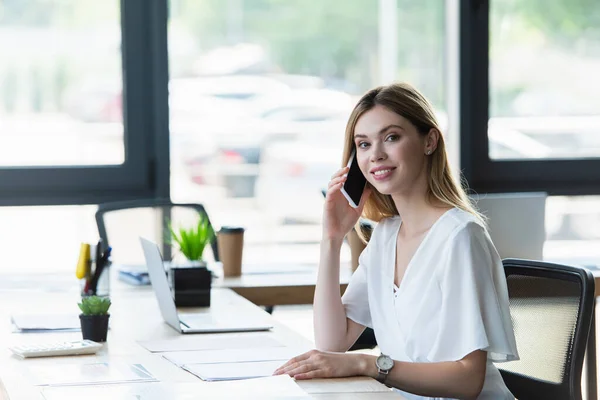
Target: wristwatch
384	365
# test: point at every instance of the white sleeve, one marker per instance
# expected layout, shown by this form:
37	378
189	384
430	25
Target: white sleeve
356	296
474	311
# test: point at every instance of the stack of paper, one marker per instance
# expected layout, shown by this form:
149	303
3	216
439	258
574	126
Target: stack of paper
342	385
181	358
88	374
224	356
46	322
233	371
271	388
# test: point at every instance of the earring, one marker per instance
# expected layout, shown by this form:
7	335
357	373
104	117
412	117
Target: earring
428	152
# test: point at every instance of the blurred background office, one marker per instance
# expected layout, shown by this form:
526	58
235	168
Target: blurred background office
241	105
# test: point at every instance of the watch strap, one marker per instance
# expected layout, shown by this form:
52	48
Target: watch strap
382	375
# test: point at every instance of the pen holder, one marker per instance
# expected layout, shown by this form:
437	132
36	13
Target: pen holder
84	283
103	285
96	281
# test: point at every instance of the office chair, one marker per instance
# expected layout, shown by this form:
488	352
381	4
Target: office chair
150	218
551	308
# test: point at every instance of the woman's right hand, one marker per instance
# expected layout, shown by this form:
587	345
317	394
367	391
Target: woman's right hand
338	216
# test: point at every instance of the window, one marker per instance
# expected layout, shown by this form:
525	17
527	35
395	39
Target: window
64	138
259	100
536	63
543	89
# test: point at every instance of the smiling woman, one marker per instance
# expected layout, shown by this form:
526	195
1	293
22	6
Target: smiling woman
430	282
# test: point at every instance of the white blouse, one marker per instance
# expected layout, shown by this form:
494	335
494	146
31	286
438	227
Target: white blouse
451	301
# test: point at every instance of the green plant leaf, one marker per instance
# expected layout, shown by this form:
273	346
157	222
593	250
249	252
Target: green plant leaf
192	241
94	305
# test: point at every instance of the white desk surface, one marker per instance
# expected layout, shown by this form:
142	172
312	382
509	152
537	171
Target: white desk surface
134	316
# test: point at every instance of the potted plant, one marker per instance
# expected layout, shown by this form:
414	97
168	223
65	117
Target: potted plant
192	241
191	281
94	317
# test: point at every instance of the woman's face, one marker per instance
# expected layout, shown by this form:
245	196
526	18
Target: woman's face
390	151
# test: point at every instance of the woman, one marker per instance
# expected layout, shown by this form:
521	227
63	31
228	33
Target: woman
430	282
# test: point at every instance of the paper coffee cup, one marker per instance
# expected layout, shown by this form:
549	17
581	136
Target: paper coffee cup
230	241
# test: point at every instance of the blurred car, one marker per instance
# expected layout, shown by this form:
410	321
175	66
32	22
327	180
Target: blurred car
293	173
548	137
237	141
203	111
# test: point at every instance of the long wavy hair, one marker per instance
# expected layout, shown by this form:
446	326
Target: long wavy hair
408	102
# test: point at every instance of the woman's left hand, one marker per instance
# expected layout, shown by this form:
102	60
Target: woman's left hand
322	364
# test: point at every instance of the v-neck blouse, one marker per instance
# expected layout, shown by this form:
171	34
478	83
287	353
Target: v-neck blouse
452	299
396	231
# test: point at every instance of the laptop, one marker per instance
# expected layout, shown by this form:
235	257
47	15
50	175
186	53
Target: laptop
516	223
190	323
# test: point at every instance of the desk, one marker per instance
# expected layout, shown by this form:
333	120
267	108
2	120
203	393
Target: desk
274	289
134	316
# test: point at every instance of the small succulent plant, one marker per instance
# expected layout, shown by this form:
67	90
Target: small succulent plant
94	305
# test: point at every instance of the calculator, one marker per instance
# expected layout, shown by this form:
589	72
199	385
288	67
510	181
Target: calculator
73	348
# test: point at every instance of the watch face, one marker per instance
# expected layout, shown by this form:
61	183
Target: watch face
384	362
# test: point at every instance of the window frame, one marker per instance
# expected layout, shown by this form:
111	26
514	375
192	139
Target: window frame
484	175
144	172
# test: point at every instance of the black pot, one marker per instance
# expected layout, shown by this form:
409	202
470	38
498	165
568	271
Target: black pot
94	327
191	286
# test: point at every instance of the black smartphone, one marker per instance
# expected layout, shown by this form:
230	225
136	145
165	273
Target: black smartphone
355	183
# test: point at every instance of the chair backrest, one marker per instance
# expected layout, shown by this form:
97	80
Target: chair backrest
551	308
121	223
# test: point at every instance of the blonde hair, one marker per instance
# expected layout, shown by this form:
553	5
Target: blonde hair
408	102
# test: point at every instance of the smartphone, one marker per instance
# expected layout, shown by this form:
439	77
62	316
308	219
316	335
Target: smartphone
355	183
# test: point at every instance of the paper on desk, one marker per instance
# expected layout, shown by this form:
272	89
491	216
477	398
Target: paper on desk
342	385
233	371
88	374
274	387
212	342
46	322
180	358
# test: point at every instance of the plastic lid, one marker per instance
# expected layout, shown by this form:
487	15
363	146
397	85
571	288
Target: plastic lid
231	229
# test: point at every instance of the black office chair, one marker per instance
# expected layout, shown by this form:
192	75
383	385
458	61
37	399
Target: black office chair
551	308
149	218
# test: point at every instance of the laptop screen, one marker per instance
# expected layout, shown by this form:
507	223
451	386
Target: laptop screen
158	278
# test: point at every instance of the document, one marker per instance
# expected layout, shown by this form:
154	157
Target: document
88	374
180	358
46	322
233	371
212	341
274	387
342	385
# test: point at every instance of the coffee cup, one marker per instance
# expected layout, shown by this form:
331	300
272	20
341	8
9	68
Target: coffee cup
230	242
